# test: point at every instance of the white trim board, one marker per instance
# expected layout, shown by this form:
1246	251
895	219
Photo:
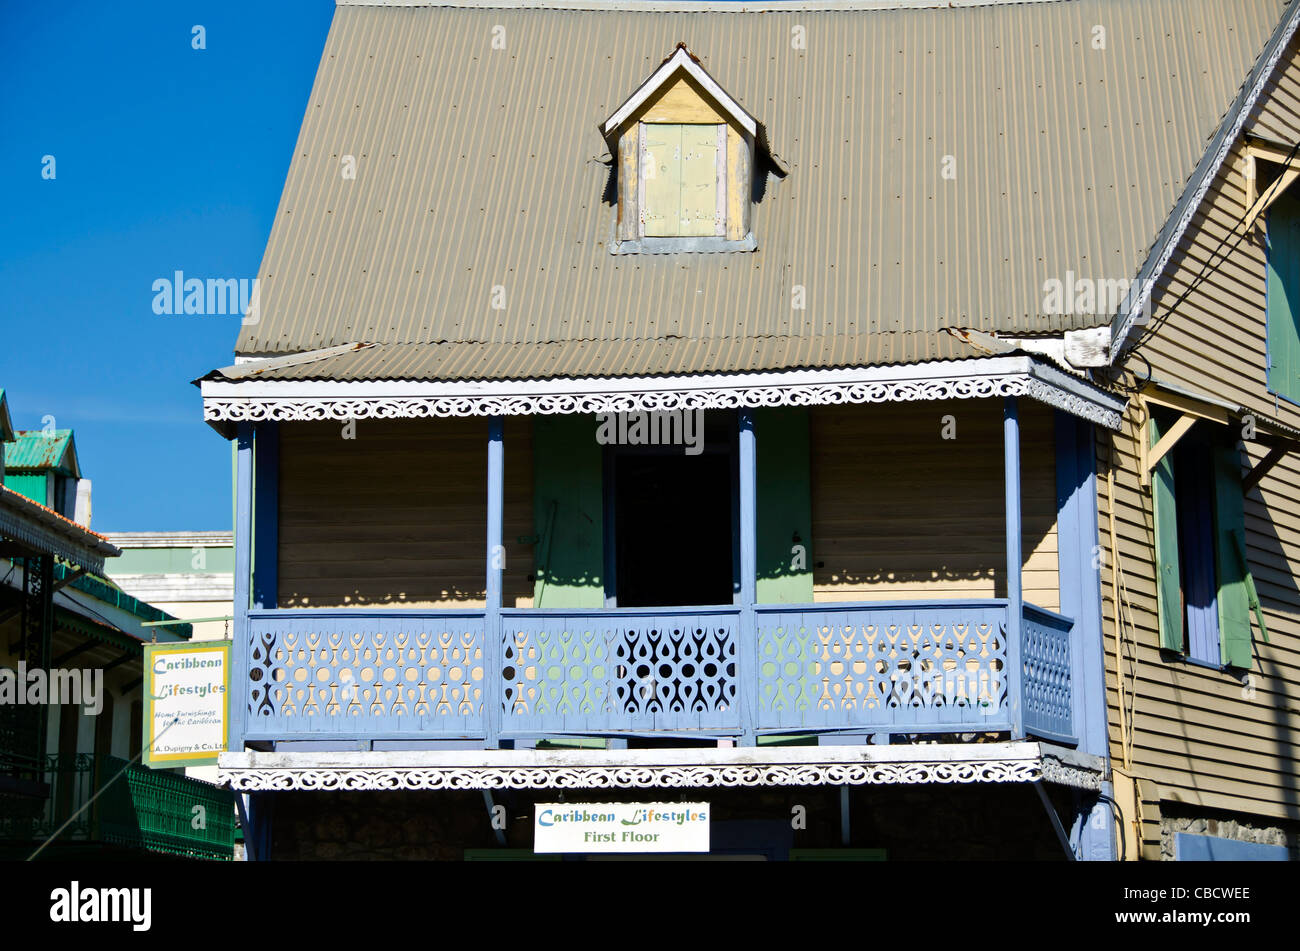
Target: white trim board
925	763
985	377
684	60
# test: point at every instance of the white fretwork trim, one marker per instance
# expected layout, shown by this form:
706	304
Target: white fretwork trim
293	400
1021	762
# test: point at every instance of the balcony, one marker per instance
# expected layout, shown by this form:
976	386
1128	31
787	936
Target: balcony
392	679
144	809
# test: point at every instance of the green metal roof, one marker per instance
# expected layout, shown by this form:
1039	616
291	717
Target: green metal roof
43	450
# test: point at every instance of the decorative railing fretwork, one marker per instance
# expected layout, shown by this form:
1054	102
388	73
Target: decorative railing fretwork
395	677
624	670
337	673
891	667
1045	656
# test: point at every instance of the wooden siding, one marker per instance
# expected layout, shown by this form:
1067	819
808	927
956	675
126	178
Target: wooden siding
899	512
397	516
1204	737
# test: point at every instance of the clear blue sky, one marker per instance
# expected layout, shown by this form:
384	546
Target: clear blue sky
166	158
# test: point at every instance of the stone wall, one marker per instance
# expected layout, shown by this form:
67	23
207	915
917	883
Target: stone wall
1223	826
922	822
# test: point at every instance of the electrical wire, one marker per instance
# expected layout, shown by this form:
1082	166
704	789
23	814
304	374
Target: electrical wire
1210	265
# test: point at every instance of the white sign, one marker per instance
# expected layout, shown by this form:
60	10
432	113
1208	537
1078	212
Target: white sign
186	709
621	827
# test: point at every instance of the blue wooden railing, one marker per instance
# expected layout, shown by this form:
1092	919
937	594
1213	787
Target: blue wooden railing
402	677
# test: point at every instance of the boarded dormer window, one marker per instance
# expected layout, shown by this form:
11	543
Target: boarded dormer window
684	159
683	190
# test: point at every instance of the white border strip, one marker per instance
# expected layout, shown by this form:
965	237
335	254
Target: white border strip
636	769
305	400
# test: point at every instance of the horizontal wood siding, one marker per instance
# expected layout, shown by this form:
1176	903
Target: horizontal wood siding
1202	736
899	512
396	516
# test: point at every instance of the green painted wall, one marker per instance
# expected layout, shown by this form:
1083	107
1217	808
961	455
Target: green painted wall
162	561
34	486
568	513
785	576
1284	295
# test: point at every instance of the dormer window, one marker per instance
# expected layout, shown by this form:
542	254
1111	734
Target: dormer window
684	153
683	187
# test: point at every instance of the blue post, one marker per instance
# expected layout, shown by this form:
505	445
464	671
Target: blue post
1015	595
747	666
242	583
1079	566
266	514
495	563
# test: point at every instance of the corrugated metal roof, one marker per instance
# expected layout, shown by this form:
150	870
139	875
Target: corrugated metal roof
589	358
479	167
36	449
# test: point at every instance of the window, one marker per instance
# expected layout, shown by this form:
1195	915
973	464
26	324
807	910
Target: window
1283	257
688	163
683	171
1204	588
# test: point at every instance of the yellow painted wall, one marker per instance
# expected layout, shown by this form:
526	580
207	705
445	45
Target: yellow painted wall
900	513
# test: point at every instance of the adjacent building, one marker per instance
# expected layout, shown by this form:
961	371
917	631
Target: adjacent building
71	700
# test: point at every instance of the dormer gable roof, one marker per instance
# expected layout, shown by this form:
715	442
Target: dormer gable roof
681	60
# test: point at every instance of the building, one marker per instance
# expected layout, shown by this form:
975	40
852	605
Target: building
71	669
187	574
705	401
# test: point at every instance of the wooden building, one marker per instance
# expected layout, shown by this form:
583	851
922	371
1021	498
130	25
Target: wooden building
701	400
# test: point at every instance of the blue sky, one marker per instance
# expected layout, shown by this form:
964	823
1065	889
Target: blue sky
166	158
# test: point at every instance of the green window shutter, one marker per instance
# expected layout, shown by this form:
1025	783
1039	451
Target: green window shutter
785	574
568	513
1229	563
1283	257
1169	592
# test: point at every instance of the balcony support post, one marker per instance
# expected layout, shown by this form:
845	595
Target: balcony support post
747	660
242	582
1015	595
1080	585
495	565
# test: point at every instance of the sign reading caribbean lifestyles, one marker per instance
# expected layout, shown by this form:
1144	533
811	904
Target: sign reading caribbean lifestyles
187	703
621	827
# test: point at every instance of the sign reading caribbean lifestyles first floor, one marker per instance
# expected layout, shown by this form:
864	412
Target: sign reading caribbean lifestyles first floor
621	827
187	703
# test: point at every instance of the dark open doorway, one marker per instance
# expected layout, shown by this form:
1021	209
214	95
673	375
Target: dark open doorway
672	531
